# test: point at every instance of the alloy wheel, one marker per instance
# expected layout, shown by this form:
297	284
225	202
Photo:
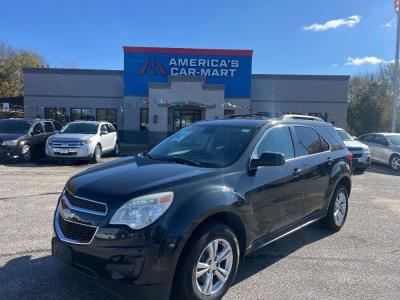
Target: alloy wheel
340	209
26	152
213	267
395	163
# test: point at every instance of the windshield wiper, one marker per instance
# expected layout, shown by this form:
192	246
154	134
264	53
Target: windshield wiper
179	160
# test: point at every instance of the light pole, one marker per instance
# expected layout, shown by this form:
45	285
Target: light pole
396	70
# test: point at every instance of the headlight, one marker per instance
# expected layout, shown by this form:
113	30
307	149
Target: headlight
88	141
143	211
10	143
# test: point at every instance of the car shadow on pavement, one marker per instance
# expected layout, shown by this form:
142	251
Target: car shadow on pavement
382	169
45	278
270	254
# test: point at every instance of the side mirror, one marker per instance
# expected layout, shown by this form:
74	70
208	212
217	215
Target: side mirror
354	137
103	132
267	159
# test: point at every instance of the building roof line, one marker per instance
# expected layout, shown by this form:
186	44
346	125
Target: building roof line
72	71
301	77
194	51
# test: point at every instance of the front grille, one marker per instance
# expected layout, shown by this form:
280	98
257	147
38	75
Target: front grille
357	155
86	204
75	232
66	144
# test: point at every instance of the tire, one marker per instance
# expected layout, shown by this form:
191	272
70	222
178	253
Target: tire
337	212
116	149
394	162
26	153
96	154
196	259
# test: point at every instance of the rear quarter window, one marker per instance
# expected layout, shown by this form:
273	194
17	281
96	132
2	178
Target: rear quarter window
329	133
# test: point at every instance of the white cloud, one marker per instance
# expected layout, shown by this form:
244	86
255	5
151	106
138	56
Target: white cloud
335	65
366	60
333	24
388	24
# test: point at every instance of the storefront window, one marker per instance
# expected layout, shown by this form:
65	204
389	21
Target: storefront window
144	118
228	112
55	113
84	114
107	114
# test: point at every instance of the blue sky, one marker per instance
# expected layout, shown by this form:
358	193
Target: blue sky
90	34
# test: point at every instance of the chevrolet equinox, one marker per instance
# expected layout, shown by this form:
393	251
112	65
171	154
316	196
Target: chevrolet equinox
176	221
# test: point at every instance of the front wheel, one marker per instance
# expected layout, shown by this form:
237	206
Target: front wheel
337	212
26	153
96	154
395	162
209	266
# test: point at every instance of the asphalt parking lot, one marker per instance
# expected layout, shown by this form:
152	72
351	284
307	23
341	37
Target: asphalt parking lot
360	262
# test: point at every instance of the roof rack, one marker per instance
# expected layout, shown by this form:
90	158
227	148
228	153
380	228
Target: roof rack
248	116
301	117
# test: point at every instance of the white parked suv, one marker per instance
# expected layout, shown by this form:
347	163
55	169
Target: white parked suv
83	140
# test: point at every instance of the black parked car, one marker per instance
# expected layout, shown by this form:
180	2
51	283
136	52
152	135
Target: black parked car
24	139
176	221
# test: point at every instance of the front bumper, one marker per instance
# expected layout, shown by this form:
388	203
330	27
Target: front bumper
9	152
135	263
84	152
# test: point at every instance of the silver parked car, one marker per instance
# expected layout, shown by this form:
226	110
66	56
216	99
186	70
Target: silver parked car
385	148
360	151
83	140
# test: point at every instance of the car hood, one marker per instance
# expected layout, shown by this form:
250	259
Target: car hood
123	179
72	136
10	136
355	144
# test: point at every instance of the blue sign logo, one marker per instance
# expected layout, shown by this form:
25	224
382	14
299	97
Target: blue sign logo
229	67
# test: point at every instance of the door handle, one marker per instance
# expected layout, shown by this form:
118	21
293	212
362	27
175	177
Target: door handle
296	172
329	160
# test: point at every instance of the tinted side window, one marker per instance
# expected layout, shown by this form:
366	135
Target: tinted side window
332	137
308	141
38	128
381	140
110	128
325	145
48	126
367	138
278	140
103	128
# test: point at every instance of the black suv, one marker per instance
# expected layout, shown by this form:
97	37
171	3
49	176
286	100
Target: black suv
176	221
24	139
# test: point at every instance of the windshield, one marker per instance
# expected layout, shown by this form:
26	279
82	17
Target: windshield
82	128
394	139
14	126
345	136
212	146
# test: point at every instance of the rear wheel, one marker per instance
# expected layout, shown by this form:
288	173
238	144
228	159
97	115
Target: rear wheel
394	162
96	154
209	266
337	212
26	153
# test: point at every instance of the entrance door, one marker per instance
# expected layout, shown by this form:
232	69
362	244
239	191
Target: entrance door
185	117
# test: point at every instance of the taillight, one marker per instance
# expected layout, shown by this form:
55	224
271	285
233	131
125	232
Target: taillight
350	157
